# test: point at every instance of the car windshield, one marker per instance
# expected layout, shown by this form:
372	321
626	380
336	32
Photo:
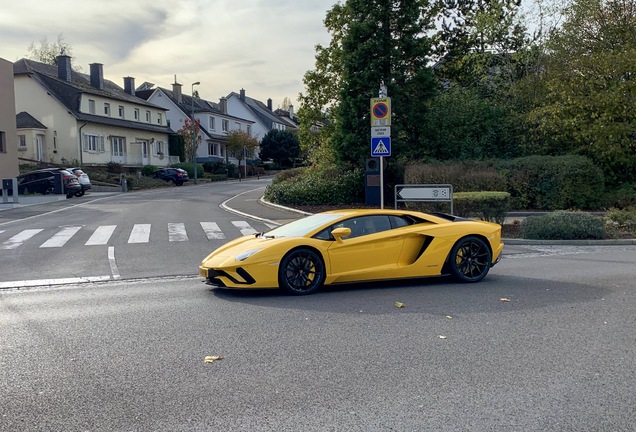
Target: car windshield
304	226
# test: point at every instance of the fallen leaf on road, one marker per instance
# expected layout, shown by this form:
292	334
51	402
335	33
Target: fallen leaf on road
441	337
504	299
210	359
399	305
449	317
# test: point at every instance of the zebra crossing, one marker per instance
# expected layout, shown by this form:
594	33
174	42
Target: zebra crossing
139	234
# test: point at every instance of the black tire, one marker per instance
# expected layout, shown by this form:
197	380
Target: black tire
470	259
80	193
179	183
70	195
301	272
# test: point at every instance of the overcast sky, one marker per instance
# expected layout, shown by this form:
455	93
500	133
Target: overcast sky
263	46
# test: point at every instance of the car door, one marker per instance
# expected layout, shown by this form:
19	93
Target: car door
370	252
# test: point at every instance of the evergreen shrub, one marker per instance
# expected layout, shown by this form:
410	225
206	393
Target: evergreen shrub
563	225
318	187
489	206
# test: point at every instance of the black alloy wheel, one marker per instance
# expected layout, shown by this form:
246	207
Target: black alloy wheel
301	272
470	259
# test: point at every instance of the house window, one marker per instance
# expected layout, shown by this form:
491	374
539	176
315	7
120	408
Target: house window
212	149
121	111
91	106
3	144
147	116
158	148
249	129
226	125
237	126
119	146
93	143
137	114
22	142
211	123
159	119
107	109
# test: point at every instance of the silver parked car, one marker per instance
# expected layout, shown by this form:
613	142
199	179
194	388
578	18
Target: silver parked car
83	179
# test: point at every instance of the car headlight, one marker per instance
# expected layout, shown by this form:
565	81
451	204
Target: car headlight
245	255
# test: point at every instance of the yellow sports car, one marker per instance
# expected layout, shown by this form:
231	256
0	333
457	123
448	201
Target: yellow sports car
344	246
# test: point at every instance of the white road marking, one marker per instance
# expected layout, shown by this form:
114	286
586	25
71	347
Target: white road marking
140	234
177	232
18	239
60	239
113	264
245	228
1	231
212	230
49	282
101	235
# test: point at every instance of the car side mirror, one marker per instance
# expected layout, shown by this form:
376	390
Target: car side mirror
339	233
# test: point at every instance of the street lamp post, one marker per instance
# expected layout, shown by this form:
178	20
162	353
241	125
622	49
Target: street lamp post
194	138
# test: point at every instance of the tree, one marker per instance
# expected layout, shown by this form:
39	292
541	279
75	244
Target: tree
47	52
383	42
240	145
281	146
590	107
191	140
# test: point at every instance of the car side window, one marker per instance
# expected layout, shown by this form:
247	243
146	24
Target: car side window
398	222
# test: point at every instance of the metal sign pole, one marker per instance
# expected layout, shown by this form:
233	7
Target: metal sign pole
381	182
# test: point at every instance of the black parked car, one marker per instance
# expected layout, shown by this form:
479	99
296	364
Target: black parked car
43	181
174	175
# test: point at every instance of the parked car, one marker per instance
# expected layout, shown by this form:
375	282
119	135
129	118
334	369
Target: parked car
83	179
174	175
43	181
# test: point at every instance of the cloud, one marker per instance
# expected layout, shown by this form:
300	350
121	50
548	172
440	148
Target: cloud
264	46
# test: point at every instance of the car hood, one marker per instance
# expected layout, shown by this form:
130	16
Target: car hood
244	244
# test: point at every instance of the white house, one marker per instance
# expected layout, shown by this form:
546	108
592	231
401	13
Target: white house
213	118
70	117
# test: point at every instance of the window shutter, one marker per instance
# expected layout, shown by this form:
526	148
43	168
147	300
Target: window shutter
85	142
102	148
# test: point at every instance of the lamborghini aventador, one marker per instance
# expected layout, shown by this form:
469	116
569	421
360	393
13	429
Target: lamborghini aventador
345	246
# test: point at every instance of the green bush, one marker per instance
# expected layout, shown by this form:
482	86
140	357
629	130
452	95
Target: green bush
147	170
216	167
622	197
318	187
114	168
553	182
563	225
288	174
464	176
489	206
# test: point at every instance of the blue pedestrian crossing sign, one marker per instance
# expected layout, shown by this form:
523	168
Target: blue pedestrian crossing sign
380	146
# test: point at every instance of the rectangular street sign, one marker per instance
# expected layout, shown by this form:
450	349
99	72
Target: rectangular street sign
377	132
424	192
380	146
381	111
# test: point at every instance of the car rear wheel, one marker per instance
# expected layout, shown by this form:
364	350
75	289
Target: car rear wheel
70	195
301	272
80	193
470	259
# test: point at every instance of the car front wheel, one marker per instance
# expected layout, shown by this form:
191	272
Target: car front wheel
470	259
80	193
301	272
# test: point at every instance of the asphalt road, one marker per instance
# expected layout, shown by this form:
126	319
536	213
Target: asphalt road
546	342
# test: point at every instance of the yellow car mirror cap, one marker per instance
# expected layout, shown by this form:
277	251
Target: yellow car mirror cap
339	233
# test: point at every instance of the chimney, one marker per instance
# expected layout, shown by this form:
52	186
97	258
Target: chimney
291	112
269	103
242	95
223	105
176	92
64	67
129	85
97	75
